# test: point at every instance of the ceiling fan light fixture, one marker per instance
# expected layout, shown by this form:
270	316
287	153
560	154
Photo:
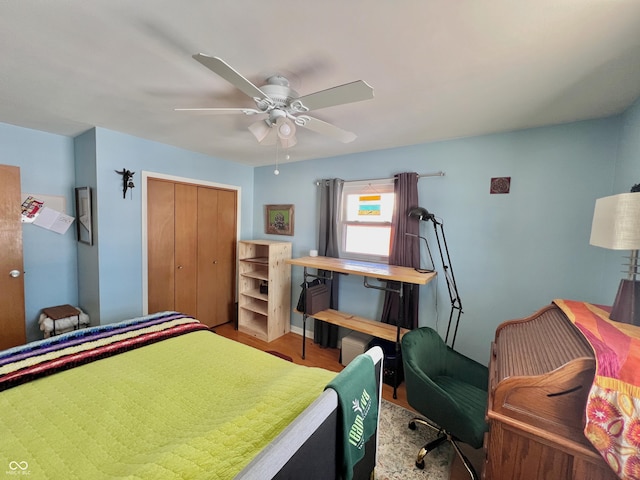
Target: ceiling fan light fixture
286	128
281	103
260	130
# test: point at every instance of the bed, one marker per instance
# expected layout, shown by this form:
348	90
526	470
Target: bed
162	396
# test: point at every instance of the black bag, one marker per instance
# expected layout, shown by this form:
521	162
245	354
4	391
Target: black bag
302	301
316	299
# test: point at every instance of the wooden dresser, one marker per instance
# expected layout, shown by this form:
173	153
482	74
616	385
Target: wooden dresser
540	372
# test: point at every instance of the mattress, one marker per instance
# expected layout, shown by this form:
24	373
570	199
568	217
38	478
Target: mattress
195	405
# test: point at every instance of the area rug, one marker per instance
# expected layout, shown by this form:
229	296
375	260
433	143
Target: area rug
399	445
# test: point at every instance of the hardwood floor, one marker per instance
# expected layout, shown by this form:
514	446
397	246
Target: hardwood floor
291	345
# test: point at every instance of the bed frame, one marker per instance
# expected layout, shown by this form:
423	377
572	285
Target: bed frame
308	447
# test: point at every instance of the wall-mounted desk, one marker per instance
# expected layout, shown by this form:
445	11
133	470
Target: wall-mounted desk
377	271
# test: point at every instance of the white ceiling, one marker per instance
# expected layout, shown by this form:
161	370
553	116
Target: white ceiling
440	69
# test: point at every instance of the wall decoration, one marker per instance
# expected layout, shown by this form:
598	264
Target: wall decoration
127	180
278	219
500	185
84	224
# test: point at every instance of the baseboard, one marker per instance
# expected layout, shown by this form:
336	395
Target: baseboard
298	330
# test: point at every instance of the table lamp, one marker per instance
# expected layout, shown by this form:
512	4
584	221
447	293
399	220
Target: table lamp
616	226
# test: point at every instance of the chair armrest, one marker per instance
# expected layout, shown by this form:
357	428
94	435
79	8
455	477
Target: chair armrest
467	370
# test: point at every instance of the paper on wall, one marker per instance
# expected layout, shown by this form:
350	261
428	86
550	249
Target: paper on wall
53	220
31	208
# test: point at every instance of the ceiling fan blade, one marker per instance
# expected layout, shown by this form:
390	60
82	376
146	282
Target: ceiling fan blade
347	93
226	71
220	111
325	128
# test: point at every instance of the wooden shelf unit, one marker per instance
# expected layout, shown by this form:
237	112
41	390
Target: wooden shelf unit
264	315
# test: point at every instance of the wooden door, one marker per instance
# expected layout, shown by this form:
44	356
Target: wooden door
160	245
12	316
186	235
216	255
191	250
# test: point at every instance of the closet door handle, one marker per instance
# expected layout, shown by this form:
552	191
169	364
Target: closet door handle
215	262
14	273
179	267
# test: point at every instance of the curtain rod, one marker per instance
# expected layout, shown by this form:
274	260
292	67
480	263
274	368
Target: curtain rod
420	175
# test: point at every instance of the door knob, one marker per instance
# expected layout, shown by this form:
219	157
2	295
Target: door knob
179	267
14	273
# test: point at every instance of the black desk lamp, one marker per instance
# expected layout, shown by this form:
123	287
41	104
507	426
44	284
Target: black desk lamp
420	213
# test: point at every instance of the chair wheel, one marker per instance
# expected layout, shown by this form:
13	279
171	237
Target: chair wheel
420	464
412	425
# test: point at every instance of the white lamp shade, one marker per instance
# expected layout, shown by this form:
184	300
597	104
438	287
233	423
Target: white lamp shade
616	222
260	130
282	129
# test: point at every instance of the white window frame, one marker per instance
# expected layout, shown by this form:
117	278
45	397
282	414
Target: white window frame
362	187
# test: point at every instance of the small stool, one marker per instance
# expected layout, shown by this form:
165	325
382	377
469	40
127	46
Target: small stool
61	311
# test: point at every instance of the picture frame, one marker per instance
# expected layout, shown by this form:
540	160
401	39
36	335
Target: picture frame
279	219
84	223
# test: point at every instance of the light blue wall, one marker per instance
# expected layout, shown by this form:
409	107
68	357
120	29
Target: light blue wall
627	173
119	221
110	271
628	167
88	261
511	254
46	164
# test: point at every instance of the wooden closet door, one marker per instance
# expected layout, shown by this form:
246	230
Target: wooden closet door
227	244
191	250
12	316
216	255
160	245
186	235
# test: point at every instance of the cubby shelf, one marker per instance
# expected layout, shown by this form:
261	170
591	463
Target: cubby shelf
264	287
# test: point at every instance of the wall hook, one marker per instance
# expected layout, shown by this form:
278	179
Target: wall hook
127	180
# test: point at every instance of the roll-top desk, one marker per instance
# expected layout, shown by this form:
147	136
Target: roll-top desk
540	373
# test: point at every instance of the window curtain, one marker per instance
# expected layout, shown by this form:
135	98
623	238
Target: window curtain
404	251
325	334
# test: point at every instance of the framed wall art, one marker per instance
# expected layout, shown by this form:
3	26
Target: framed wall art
278	219
84	223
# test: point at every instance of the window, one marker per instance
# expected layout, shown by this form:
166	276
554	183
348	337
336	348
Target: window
365	221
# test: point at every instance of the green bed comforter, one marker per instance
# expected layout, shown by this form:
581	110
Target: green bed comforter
192	406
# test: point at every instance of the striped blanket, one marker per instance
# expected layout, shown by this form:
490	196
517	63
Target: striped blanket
613	405
38	359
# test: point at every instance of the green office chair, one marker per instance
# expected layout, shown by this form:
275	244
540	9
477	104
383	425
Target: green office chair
447	388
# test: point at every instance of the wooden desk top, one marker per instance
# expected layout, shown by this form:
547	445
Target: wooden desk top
365	269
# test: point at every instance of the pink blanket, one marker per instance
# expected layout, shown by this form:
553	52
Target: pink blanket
613	406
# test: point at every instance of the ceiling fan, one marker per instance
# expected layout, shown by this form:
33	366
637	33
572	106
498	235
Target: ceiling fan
283	108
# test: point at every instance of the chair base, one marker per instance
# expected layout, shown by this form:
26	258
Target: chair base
443	436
